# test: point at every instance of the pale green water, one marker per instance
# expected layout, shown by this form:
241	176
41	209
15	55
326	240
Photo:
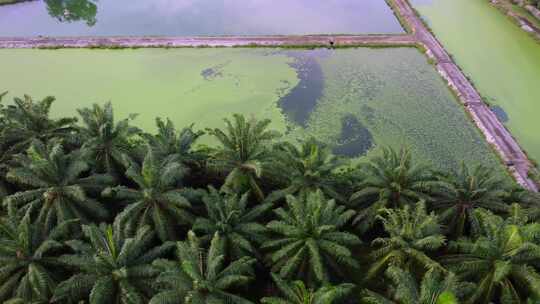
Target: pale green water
153	82
362	98
502	60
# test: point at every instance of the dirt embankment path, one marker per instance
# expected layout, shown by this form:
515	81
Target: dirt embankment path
494	131
311	40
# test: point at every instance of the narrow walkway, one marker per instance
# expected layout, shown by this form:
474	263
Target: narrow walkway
494	131
312	40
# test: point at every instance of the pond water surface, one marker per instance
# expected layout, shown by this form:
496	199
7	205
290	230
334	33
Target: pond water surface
196	17
501	59
355	100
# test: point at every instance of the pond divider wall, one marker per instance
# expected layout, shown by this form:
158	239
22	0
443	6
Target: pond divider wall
222	41
495	132
419	35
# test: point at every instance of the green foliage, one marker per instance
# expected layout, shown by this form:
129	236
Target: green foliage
112	268
73	10
30	263
202	276
26	121
56	187
435	288
464	191
297	293
411	234
308	168
501	259
106	143
178	145
157	201
236	223
308	239
243	153
391	180
51	191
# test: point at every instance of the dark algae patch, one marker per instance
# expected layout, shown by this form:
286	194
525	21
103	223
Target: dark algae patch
355	138
214	72
302	99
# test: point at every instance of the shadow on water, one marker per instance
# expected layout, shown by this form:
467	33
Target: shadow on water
500	113
73	10
302	99
355	138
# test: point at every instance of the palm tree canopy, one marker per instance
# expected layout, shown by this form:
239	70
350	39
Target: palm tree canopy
30	258
243	152
202	276
411	233
308	240
434	288
57	186
112	267
106	143
168	142
468	189
391	179
236	223
157	201
309	168
501	258
26	121
297	293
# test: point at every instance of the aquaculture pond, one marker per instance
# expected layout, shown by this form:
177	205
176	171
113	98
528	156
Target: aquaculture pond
196	17
353	99
501	59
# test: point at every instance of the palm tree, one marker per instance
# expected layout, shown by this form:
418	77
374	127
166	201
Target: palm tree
501	259
236	224
411	232
435	288
57	188
112	269
106	143
243	153
308	240
31	267
297	293
26	121
169	142
202	276
466	190
157	201
528	200
391	180
308	168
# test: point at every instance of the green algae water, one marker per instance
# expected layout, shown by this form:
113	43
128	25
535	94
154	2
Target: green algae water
501	59
196	17
355	100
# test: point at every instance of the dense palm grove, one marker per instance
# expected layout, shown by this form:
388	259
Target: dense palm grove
94	210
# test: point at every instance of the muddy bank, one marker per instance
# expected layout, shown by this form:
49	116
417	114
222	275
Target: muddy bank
523	23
